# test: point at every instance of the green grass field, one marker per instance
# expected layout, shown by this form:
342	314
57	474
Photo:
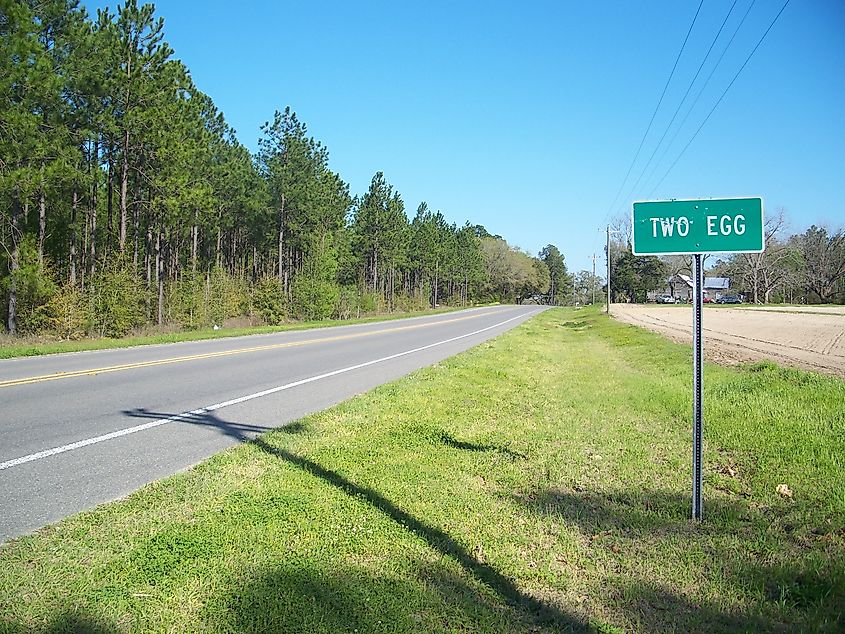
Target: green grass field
537	483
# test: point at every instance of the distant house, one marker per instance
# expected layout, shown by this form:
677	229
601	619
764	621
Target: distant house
715	287
680	286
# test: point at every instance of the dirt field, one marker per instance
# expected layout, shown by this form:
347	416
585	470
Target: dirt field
809	337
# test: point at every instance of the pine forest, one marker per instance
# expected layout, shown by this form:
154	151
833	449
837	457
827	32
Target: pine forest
127	201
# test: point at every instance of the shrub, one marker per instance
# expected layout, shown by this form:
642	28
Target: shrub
412	303
116	299
227	296
369	302
314	298
206	299
66	314
348	302
34	287
186	301
268	301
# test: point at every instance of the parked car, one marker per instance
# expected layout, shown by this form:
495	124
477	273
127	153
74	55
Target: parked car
667	299
729	299
707	300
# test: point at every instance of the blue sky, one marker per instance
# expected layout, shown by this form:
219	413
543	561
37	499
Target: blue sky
525	117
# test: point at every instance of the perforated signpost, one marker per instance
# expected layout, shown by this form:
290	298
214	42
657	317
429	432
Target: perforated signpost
696	227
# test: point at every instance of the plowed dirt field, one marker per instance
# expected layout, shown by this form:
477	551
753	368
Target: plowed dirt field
809	337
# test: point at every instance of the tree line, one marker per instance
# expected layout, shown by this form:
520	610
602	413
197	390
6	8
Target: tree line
128	200
807	267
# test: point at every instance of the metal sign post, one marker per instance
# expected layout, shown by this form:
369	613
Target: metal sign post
694	227
697	386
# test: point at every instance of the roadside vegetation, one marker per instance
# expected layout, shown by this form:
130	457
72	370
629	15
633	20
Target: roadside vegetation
11	347
126	200
537	483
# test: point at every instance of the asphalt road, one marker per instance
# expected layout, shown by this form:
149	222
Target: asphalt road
80	429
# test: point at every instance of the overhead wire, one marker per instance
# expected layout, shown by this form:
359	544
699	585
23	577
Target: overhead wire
698	96
681	102
654	114
721	98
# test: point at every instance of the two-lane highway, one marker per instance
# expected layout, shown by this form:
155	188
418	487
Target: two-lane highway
84	428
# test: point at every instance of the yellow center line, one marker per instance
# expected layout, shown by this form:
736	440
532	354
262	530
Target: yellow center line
225	353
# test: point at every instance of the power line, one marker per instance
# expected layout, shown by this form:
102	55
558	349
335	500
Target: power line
716	105
683	99
698	96
654	114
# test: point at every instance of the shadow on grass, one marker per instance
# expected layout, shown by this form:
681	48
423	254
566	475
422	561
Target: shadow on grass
793	601
632	512
290	598
805	594
450	441
437	539
539	612
67	623
652	608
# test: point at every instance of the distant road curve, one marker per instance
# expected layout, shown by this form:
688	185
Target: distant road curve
80	429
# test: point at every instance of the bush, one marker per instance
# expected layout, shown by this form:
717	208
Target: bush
369	302
34	286
314	298
198	300
348	302
186	301
416	302
116	299
227	296
66	314
268	301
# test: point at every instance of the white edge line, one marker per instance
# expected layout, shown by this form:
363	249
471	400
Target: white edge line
187	416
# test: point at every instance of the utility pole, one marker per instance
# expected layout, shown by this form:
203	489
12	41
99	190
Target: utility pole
608	269
593	280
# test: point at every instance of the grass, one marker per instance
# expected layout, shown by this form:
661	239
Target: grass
11	347
537	483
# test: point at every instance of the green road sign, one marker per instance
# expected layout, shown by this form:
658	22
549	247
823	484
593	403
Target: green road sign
716	225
